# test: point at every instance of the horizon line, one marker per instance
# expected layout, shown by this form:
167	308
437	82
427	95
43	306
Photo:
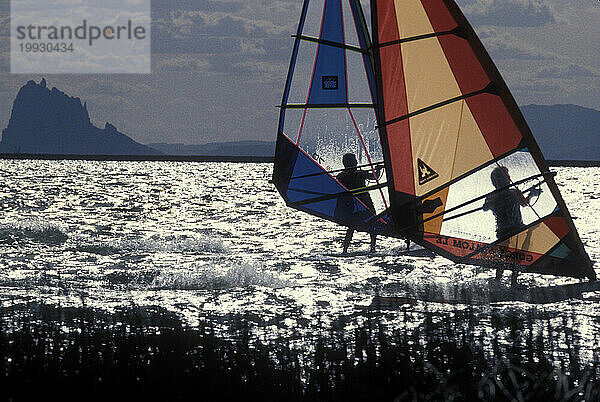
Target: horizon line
215	158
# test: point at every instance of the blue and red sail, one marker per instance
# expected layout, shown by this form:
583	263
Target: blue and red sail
335	62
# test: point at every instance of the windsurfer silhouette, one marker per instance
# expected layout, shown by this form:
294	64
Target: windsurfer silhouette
352	178
505	203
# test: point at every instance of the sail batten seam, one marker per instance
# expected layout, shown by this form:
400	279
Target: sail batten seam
331	43
490	89
456	32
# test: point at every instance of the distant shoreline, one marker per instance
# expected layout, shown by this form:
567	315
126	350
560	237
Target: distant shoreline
155	158
568	163
209	158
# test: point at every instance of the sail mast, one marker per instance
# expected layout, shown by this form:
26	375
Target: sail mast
405	216
286	91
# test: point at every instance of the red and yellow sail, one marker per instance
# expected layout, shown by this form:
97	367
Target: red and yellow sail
448	120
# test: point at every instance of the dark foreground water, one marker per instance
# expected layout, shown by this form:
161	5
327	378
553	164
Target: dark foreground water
148	354
193	281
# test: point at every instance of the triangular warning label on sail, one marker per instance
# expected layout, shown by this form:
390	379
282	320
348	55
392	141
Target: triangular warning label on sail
426	173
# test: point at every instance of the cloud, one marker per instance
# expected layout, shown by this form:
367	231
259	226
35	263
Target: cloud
220	27
194	32
504	45
179	63
505	50
197	5
180	102
509	13
199	45
220	43
114	88
530	87
566	71
538	92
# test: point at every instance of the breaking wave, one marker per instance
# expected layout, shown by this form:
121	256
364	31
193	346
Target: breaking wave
207	277
155	244
33	230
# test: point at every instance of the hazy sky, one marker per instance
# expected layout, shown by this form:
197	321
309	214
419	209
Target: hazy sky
219	66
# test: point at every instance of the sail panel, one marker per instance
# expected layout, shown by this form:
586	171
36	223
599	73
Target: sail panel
472	149
559	226
313	22
466	68
496	123
359	87
537	249
474	204
538	239
459	250
362	28
428	76
351	81
401	164
447	143
350	26
393	95
307	187
298	87
432	221
329	77
329	133
439	16
329	73
412	19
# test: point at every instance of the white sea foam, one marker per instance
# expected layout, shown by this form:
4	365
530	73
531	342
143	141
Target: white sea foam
175	244
154	244
32	229
204	277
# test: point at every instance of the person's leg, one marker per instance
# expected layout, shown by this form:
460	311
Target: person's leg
348	239
407	244
513	278
373	240
499	272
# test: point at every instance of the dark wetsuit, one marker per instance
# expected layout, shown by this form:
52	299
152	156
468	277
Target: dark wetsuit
353	179
506	207
347	208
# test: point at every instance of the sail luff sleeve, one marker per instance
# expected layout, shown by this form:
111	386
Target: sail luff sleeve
395	141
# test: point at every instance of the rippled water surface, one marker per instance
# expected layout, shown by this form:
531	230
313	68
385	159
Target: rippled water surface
211	239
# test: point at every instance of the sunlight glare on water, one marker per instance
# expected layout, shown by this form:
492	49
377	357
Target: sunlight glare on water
211	239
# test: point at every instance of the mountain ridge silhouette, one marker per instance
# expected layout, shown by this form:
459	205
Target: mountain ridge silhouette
566	132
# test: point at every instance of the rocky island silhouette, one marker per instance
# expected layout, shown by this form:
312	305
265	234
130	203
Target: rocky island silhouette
48	121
